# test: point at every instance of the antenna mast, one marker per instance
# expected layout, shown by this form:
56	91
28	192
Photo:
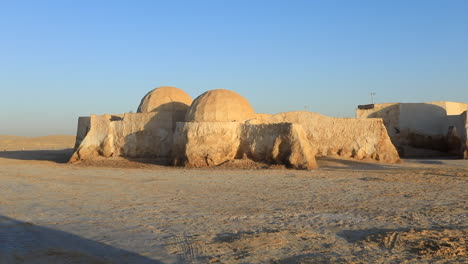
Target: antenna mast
372	94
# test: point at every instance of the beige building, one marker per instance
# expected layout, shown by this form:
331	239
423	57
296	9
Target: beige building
440	126
221	126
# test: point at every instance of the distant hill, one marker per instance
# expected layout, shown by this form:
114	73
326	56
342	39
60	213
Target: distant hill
34	143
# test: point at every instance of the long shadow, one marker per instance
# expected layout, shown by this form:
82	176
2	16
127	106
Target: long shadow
352	236
344	164
58	156
428	161
22	242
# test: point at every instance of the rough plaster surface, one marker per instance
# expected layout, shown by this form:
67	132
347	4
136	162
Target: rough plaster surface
129	135
464	137
347	137
437	126
292	138
390	114
281	143
205	144
220	106
220	126
84	124
163	99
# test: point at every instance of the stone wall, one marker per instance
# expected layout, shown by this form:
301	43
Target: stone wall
464	136
84	124
347	137
293	139
433	125
390	113
279	143
130	135
205	144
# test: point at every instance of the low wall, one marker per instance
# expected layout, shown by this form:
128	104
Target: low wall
84	124
280	143
347	137
292	138
390	113
205	144
129	135
434	125
94	143
464	136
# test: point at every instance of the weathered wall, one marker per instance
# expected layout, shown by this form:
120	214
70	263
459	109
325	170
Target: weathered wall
365	111
292	138
348	137
464	136
280	143
390	113
143	135
260	116
84	124
432	125
204	144
129	135
94	143
430	118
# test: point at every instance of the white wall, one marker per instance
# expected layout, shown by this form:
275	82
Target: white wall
424	118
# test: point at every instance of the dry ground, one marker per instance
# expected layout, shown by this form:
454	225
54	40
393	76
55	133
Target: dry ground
8	143
123	211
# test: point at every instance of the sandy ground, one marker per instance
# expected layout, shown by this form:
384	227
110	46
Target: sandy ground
9	143
123	211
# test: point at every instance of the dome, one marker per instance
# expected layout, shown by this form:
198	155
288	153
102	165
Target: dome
165	98
219	106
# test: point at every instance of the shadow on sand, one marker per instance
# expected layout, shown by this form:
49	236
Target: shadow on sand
352	236
22	242
329	163
58	156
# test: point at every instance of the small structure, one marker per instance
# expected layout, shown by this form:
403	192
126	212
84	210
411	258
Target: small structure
145	134
439	126
220	125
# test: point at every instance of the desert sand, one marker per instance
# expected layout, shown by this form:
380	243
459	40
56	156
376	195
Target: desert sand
54	142
135	211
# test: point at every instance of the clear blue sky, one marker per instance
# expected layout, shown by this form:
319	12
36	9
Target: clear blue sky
64	59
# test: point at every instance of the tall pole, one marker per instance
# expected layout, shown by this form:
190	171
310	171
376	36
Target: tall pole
372	97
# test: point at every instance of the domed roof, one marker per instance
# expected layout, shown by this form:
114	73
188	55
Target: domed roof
219	106
165	98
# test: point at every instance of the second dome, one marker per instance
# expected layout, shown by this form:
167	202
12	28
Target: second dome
220	106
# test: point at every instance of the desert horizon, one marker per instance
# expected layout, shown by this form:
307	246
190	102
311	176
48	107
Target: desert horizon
234	132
